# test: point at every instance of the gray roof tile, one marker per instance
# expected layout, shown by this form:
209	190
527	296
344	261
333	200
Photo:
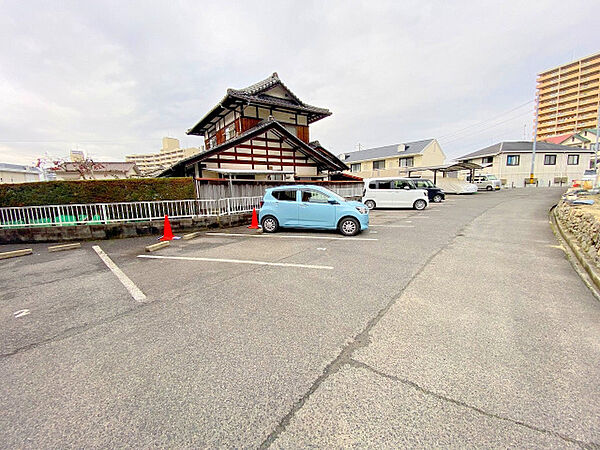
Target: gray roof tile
412	148
520	147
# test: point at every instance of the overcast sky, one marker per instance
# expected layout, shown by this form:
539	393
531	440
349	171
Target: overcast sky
113	78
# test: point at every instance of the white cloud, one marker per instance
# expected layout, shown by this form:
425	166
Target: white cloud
114	77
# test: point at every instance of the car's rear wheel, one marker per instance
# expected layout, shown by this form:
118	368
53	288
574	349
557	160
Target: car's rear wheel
419	204
437	198
269	224
489	188
349	226
370	204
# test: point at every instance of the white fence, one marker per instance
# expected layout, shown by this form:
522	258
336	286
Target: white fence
103	213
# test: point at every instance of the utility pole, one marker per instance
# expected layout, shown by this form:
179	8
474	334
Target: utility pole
596	146
535	128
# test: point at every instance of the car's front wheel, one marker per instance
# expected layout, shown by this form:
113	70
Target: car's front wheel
269	224
419	204
437	198
489	188
349	226
370	204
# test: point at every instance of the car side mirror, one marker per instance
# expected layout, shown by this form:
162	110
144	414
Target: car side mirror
332	201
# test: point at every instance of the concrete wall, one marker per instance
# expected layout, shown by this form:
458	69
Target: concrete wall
115	231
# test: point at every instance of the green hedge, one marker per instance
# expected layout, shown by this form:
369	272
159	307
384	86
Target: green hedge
96	191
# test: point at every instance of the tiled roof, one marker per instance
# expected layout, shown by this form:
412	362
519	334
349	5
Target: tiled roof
521	147
321	154
411	148
255	94
558	139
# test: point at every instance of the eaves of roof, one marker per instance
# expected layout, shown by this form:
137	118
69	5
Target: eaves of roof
321	155
252	95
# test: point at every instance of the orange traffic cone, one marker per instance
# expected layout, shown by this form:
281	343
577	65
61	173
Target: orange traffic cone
167	233
254	224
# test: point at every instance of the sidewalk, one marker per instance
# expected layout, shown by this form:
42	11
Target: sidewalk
494	343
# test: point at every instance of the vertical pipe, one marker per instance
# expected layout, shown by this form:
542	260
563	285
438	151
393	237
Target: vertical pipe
596	147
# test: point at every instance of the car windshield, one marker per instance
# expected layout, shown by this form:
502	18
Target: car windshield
491	177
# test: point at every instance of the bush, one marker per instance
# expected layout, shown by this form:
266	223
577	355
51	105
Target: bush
96	191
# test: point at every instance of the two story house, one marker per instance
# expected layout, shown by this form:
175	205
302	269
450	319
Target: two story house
510	162
395	160
260	132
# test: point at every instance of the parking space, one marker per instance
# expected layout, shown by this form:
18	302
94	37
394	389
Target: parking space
62	292
235	326
66	293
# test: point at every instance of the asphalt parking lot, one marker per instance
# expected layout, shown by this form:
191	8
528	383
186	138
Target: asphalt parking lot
308	338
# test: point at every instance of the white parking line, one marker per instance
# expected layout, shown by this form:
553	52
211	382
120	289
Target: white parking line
135	292
291	237
237	261
393	226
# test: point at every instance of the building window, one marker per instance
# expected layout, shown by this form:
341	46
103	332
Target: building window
212	142
379	164
229	132
487	160
355	167
550	160
513	160
407	162
573	160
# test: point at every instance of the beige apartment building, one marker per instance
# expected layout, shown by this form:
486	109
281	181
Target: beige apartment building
394	160
568	97
169	154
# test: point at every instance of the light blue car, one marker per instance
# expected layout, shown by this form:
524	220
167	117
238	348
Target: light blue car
308	206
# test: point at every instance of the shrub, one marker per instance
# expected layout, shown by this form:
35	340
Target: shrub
96	191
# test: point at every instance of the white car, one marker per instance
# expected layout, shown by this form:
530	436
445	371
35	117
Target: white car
394	192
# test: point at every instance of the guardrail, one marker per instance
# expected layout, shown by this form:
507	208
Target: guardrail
104	213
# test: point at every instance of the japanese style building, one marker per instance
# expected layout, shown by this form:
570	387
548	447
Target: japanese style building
260	133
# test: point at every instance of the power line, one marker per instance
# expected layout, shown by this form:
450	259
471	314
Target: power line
482	130
484	121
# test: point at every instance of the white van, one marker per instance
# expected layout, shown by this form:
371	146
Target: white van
393	192
486	182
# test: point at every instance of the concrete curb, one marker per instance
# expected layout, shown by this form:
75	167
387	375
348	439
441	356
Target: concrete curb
583	259
15	253
157	246
195	234
63	247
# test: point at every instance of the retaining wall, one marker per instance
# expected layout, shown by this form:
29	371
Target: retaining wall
584	226
115	231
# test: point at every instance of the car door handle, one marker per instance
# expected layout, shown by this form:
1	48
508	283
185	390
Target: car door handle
303	205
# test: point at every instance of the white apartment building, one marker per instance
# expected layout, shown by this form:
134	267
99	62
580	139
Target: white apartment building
16	173
511	162
170	153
